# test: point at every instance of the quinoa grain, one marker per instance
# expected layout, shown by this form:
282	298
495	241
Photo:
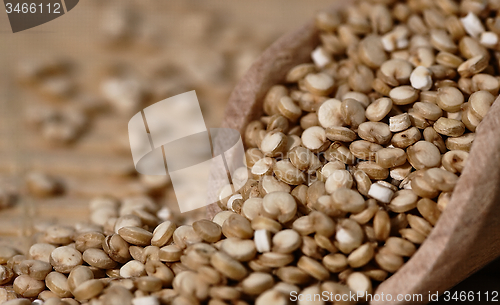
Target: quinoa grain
354	160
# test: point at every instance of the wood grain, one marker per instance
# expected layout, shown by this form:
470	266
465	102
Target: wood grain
92	166
466	237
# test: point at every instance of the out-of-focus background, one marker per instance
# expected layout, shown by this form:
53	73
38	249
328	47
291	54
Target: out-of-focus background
69	87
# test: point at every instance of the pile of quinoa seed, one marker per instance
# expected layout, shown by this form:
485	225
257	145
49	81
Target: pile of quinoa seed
352	164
